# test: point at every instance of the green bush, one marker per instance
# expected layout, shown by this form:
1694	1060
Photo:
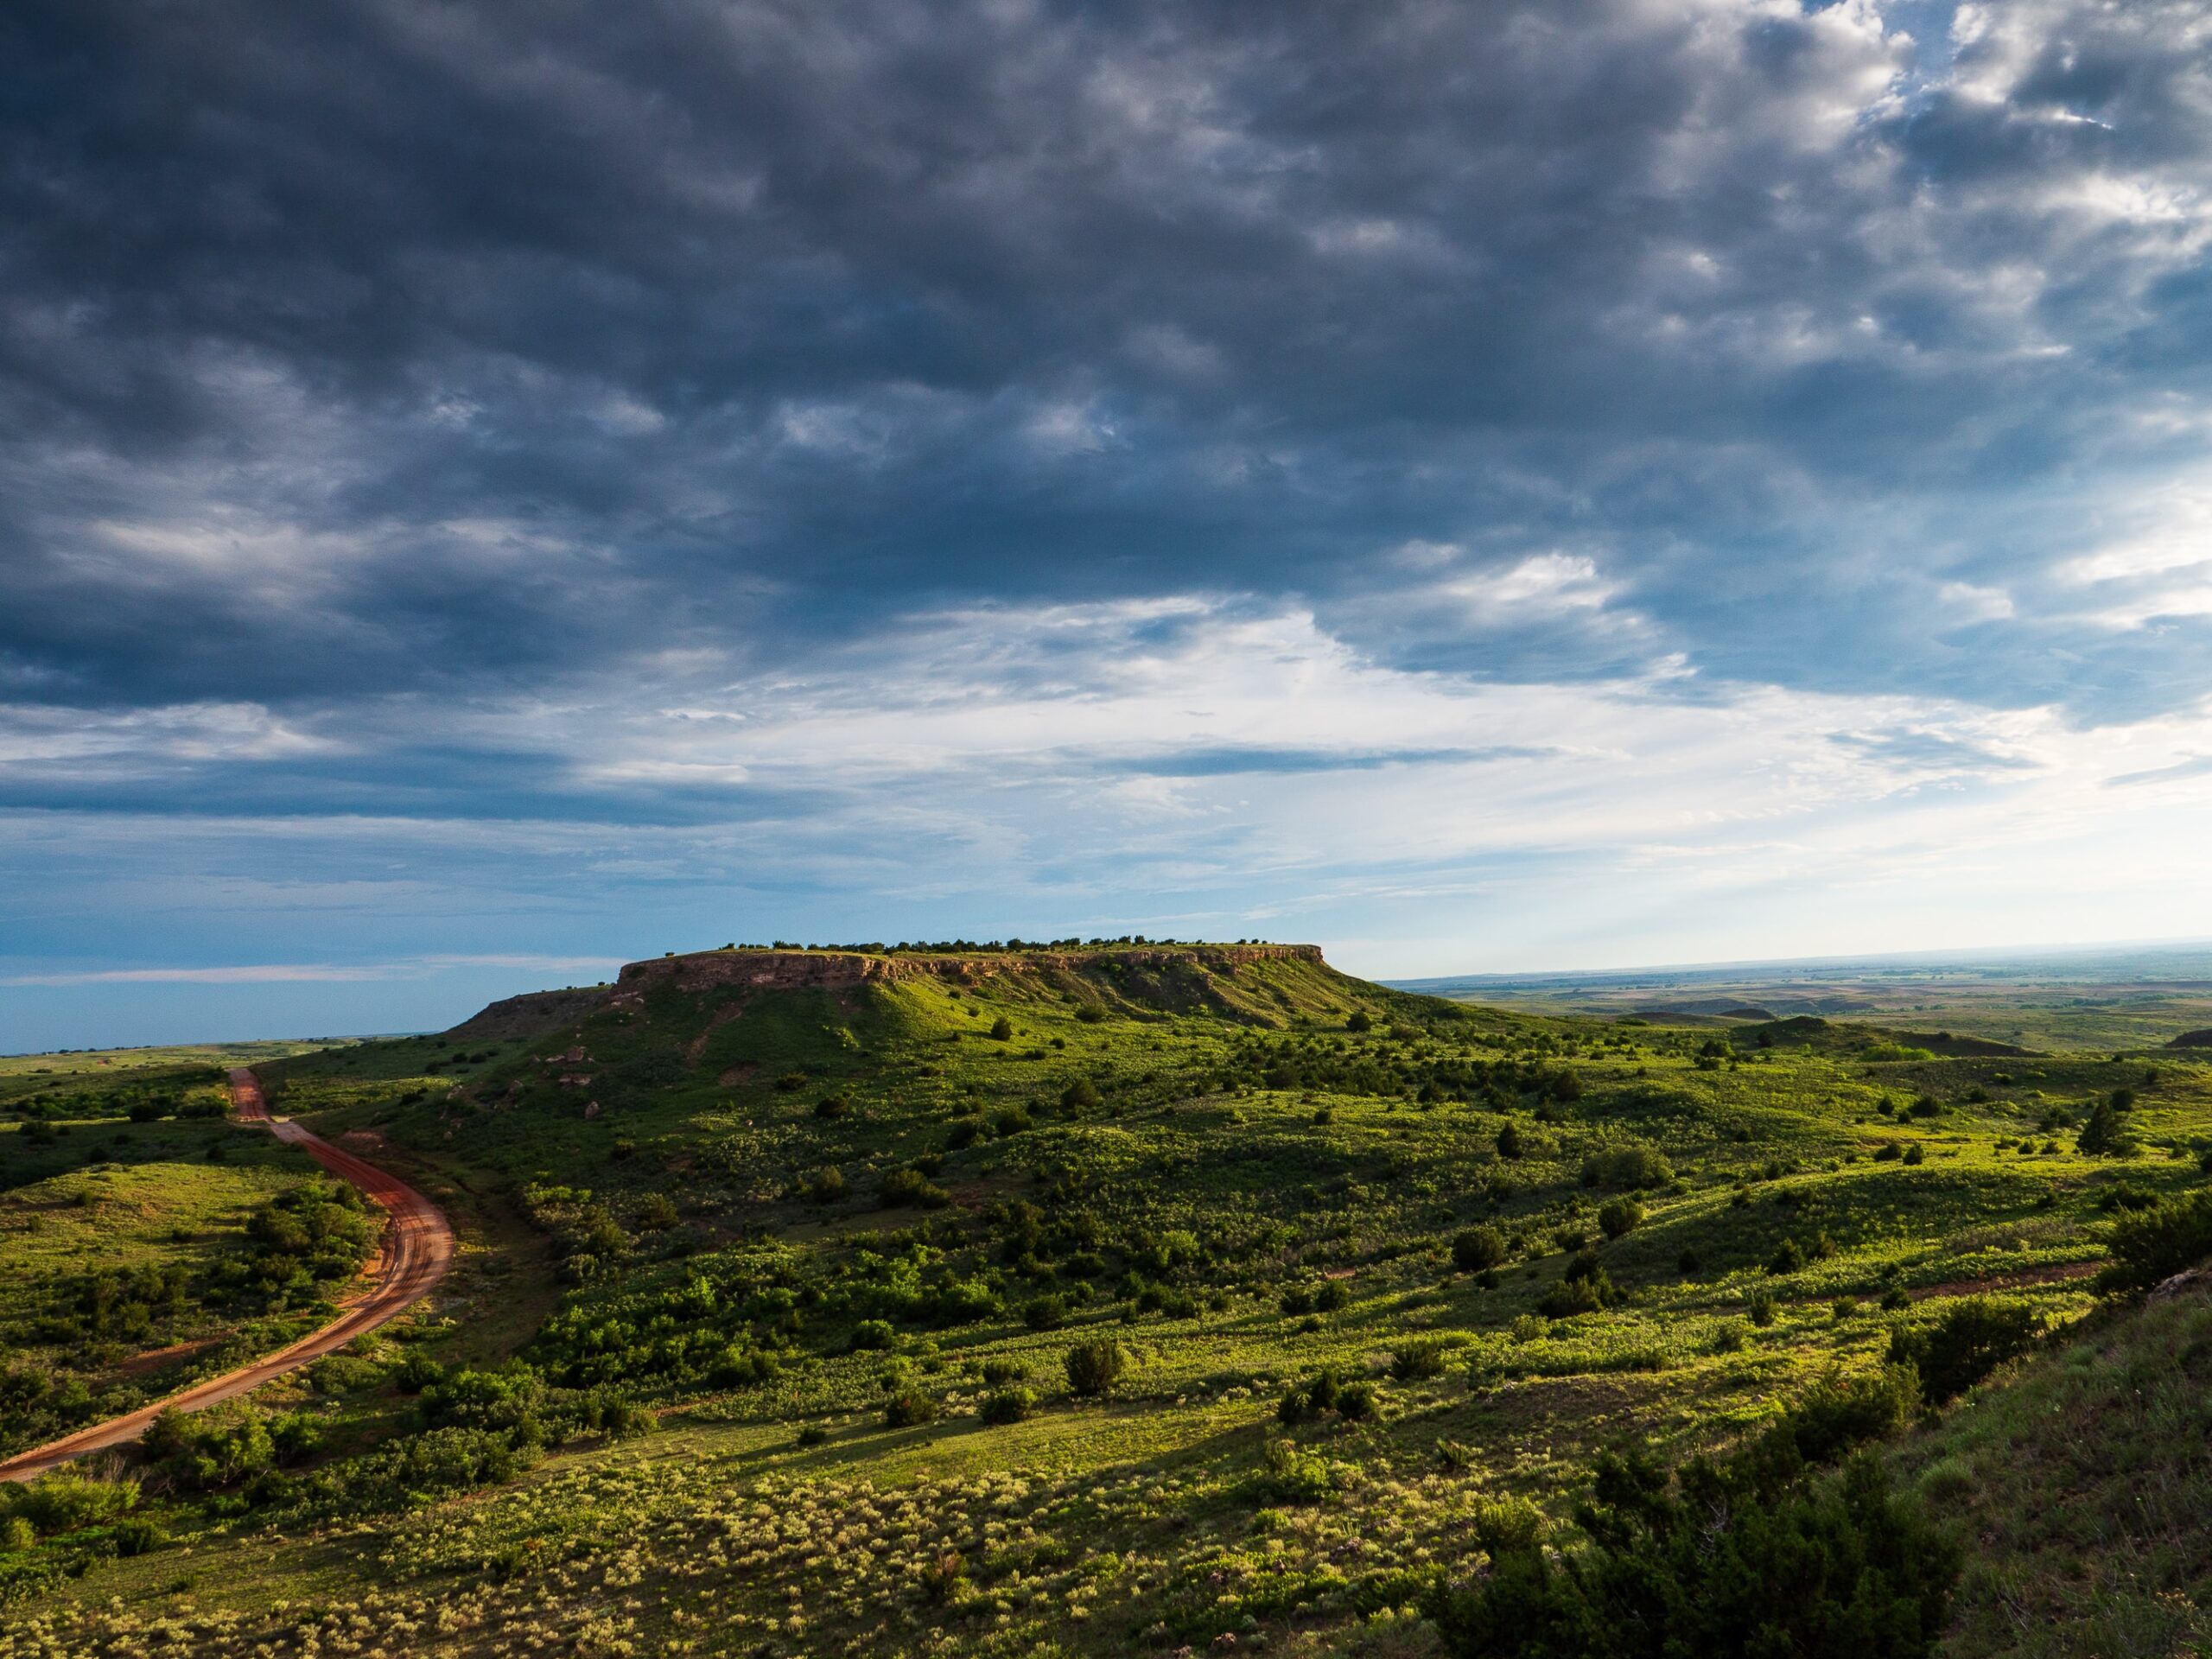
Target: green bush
63	1501
1008	1406
1417	1360
1626	1168
1290	1476
1584	1288
907	1187
1045	1312
2155	1244
1618	1217
1839	1414
418	1371
1478	1249
908	1407
2105	1135
1710	1563
415	1471
1095	1366
1971	1340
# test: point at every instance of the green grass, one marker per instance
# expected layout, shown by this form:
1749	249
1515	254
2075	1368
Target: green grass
1246	1193
112	1234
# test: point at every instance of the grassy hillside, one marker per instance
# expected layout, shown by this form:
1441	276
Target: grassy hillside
128	1261
2085	1486
852	1232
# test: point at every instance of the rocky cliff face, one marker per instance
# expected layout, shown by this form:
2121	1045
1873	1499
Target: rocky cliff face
777	970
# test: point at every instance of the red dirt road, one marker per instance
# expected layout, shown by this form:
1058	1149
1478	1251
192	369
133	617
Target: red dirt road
417	1249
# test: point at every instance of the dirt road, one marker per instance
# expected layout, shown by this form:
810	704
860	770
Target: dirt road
417	1249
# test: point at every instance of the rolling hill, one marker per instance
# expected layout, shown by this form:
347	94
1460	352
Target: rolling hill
1082	1299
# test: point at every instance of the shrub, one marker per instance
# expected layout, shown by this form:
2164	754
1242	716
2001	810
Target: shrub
1331	1296
1360	1019
1045	1312
1839	1414
1008	1406
1502	1526
904	1187
657	1214
1763	1309
1916	1154
1319	1395
1971	1339
1080	1095
1571	1297
1688	1262
1417	1360
1002	1029
2155	1244
1626	1168
1095	1366
344	1373
908	1407
825	1186
2105	1135
1478	1249
1292	1477
1090	1014
1789	1257
944	1578
1355	1402
1618	1218
997	1373
418	1371
62	1501
1713	1563
873	1336
831	1106
1509	1141
414	1471
1584	1288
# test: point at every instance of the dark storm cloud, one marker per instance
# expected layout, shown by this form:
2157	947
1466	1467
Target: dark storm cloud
455	348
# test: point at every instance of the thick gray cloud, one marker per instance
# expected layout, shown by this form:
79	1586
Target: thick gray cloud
490	335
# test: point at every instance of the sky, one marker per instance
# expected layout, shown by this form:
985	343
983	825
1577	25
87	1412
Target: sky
492	490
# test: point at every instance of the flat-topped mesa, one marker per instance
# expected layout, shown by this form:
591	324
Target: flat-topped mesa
834	969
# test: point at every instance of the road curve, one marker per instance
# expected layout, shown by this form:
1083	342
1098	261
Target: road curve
415	1251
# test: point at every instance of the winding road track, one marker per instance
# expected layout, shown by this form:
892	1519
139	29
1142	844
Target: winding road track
417	1249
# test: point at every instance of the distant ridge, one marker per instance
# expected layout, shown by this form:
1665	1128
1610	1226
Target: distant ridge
1168	974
